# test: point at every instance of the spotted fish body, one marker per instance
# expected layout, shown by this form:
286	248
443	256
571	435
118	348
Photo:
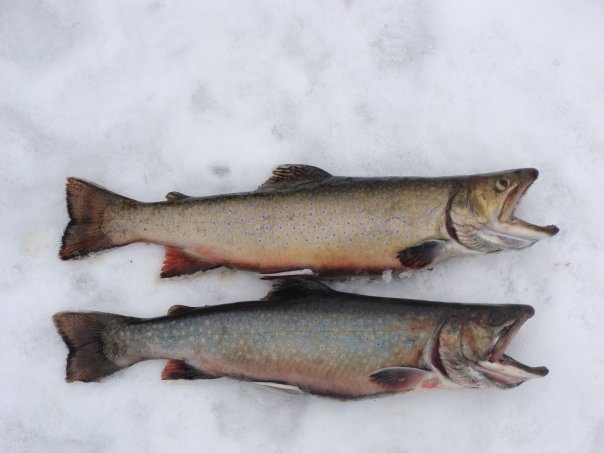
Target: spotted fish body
330	227
308	336
301	218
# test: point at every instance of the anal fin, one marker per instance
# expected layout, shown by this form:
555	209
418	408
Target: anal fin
179	369
178	262
422	254
403	379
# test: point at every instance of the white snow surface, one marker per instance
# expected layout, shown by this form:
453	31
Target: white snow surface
205	97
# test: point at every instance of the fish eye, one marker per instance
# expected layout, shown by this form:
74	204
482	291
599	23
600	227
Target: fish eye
502	184
496	318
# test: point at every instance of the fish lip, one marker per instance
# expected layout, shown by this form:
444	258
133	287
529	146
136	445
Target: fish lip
503	369
515	232
538	371
514	197
508	333
507	372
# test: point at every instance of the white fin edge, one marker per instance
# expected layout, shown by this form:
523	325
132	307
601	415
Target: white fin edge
295	272
285	388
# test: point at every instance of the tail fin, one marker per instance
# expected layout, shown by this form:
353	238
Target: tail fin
83	335
86	204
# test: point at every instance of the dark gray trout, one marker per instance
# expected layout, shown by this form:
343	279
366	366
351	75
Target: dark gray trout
305	335
305	218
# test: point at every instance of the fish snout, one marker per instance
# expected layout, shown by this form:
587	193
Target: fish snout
528	174
526	311
552	230
520	314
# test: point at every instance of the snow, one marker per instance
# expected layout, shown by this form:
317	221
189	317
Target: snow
145	97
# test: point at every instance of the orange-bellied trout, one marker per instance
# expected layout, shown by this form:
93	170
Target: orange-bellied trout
305	218
305	335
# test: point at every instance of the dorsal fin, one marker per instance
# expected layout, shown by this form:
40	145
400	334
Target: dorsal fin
287	288
180	309
289	175
176	196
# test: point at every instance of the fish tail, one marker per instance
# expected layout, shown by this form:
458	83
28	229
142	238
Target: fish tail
83	335
87	204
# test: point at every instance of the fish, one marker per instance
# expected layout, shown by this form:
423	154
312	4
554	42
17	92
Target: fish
304	218
309	337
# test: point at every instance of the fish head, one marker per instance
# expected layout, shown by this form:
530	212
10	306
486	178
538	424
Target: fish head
470	350
481	215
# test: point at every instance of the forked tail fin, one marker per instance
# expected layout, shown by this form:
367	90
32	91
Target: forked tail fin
86	204
83	335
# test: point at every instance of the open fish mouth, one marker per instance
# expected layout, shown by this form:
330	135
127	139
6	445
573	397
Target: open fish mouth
501	369
507	230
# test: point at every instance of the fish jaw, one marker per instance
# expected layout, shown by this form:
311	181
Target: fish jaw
516	234
508	231
507	372
502	370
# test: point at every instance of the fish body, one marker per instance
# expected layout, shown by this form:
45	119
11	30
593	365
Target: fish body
308	336
305	218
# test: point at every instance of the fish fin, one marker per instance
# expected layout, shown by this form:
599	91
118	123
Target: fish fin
179	369
296	273
86	205
287	288
180	309
176	196
285	388
294	175
178	262
400	379
83	335
422	254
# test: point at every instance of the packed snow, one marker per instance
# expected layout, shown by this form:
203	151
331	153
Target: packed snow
205	97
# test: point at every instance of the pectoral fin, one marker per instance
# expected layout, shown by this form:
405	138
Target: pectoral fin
402	379
422	254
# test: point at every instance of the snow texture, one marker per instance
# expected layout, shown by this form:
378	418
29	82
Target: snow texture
205	97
